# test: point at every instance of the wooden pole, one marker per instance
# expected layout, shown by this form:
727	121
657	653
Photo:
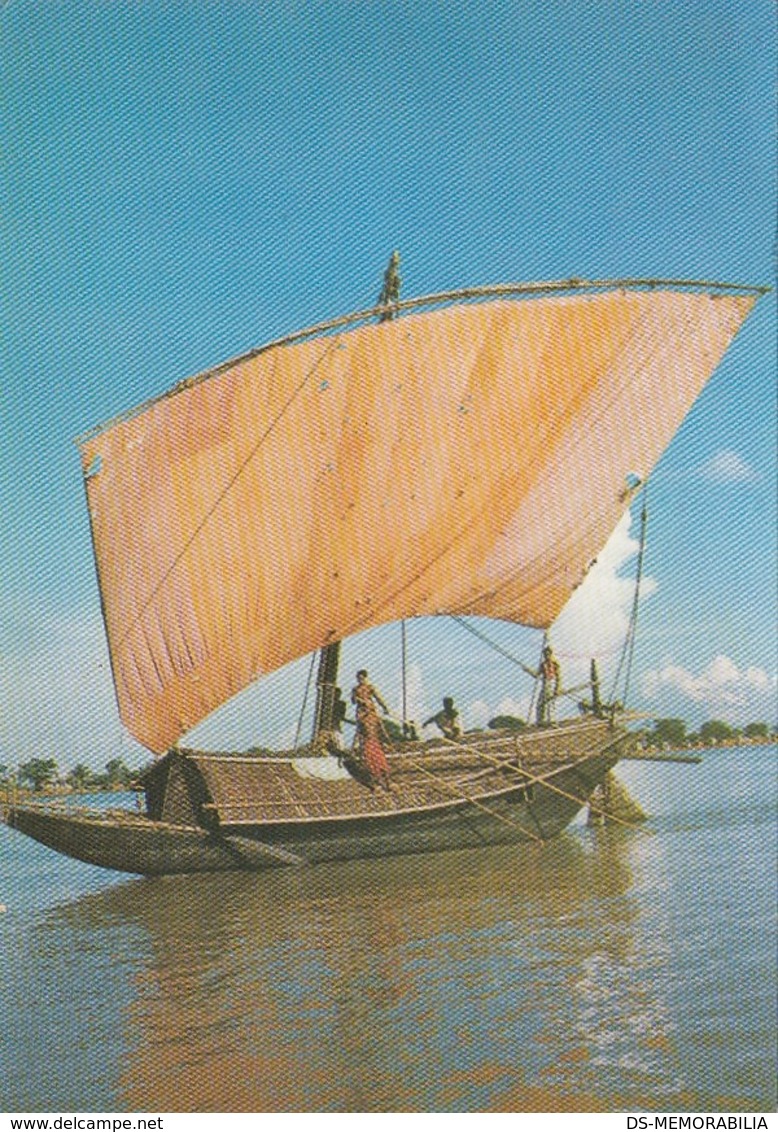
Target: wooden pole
326	681
464	294
304	703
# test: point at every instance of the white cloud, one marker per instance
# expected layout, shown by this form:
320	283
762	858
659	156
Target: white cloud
511	706
728	466
721	687
595	621
476	714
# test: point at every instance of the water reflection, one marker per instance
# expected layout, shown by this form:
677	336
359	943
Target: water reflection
612	969
448	982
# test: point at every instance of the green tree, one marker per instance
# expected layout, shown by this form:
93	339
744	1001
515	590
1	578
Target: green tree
672	731
80	777
715	731
752	731
37	773
117	773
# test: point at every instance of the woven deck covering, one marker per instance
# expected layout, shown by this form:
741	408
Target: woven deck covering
257	788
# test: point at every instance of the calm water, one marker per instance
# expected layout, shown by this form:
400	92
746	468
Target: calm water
610	970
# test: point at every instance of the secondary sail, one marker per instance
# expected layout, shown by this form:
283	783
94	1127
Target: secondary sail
469	459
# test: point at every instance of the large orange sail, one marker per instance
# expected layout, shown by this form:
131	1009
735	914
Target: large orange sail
468	459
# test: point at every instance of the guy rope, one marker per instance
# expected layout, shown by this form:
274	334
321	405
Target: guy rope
473	801
542	779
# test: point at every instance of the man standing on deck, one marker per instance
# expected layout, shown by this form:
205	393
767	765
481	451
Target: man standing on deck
365	697
550	677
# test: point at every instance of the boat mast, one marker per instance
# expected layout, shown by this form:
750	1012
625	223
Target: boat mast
326	681
329	656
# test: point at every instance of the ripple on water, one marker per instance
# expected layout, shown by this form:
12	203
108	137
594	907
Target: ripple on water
610	970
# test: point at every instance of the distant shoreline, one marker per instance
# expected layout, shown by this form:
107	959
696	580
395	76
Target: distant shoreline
685	748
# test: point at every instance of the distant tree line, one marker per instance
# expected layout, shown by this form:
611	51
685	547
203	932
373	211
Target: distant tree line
40	775
673	733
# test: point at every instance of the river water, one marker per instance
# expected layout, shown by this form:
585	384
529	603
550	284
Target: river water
610	970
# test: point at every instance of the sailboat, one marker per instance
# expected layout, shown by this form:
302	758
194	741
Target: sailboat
467	453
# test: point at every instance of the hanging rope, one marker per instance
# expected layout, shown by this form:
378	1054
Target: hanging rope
628	651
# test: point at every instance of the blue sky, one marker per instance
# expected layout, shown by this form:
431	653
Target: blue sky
186	180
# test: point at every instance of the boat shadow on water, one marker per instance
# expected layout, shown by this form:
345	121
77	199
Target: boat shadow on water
453	982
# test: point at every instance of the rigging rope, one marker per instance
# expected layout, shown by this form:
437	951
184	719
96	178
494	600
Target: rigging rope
226	490
628	651
534	673
492	644
543	779
441	782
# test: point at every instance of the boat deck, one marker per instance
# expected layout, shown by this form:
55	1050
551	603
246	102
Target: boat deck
213	812
247	789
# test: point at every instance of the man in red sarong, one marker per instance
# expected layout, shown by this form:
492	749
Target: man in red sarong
365	697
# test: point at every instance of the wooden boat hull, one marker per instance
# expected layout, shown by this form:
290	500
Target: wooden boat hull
127	844
139	844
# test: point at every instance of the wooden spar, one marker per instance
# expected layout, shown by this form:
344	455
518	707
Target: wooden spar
474	802
324	719
304	704
504	290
